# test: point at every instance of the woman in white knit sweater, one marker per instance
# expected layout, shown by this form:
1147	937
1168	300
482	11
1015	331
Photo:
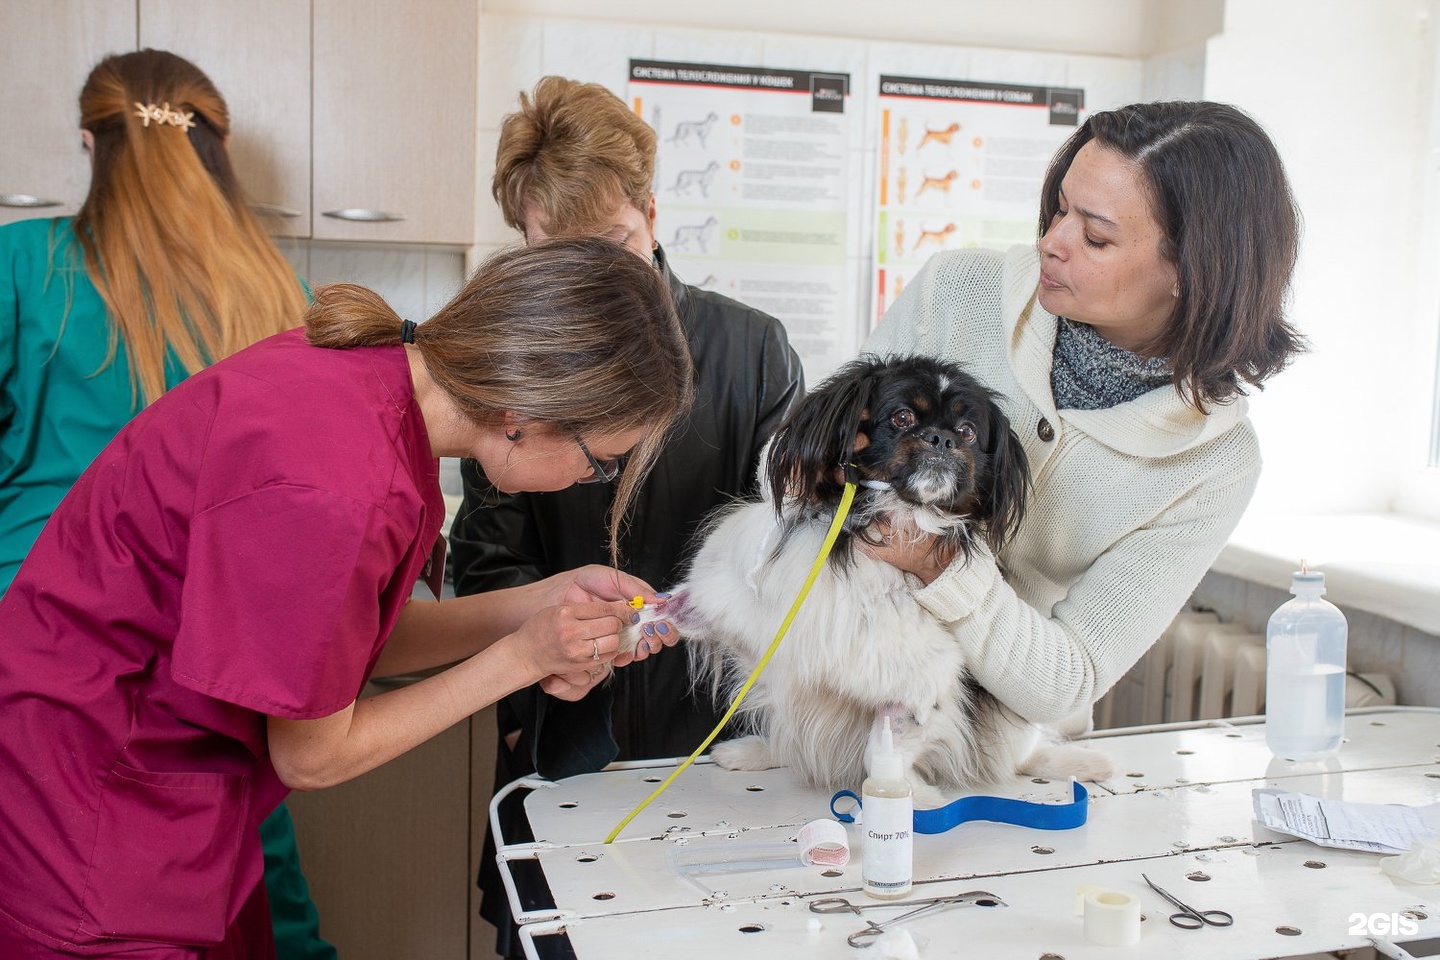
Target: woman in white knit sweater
1122	344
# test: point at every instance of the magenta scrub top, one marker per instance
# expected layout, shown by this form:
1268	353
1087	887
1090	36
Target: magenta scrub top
241	549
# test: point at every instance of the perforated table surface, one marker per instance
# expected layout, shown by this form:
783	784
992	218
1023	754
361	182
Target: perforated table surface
684	879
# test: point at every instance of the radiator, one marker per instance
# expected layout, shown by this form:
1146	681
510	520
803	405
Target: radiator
1203	669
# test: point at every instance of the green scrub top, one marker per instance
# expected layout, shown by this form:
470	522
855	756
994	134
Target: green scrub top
58	408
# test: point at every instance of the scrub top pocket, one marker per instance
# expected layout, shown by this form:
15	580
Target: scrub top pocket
166	850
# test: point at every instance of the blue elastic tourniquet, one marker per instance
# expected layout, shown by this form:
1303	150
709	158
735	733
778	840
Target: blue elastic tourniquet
1022	813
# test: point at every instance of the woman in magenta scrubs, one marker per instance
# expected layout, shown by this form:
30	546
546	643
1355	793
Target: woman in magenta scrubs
187	639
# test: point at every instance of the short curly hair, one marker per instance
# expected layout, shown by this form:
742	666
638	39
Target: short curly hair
574	151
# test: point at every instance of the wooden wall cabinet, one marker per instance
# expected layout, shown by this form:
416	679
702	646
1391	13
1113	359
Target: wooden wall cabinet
351	119
258	55
395	93
391	857
47	48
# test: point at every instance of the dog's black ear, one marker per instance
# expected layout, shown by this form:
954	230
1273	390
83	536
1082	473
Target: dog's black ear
809	449
1003	497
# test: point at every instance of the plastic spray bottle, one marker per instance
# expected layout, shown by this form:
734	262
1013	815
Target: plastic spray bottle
1305	673
889	819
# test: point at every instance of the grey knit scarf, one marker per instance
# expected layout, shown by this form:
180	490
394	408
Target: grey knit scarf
1091	373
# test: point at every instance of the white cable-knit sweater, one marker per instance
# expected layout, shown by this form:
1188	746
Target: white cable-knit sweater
1129	506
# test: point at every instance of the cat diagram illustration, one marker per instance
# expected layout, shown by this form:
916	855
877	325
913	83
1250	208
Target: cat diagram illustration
689	180
693	132
695	238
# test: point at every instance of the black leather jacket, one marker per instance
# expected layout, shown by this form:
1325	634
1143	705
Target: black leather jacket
747	379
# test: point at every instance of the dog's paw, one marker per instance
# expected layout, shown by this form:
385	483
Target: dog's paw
642	633
1064	760
926	797
633	635
746	753
630	637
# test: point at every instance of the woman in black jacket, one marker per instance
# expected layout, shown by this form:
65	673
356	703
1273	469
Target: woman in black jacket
574	160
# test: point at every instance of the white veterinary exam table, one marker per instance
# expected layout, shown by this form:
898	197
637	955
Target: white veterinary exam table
1178	809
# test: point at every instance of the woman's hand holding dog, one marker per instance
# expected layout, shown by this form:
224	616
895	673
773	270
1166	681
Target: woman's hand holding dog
912	551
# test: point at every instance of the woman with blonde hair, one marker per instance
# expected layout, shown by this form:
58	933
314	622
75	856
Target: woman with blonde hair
163	271
188	638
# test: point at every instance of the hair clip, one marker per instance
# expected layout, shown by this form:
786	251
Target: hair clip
163	114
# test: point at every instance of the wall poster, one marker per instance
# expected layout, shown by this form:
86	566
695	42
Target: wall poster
961	164
751	186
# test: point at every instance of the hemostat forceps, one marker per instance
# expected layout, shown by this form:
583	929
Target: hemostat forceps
873	930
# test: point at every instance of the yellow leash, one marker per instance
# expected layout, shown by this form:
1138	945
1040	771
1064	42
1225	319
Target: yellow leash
830	536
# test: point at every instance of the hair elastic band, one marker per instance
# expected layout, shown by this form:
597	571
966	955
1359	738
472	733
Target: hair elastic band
407	331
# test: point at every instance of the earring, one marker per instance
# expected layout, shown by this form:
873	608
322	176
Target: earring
512	435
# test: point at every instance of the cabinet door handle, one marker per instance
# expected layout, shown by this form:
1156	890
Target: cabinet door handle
362	213
274	210
25	200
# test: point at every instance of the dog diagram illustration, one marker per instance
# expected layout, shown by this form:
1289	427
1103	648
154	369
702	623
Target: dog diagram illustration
688	180
942	136
695	238
941	183
932	235
693	130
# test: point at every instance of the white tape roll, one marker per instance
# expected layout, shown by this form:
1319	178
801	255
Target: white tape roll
1112	918
824	842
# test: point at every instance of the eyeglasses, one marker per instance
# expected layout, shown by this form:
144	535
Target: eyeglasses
602	471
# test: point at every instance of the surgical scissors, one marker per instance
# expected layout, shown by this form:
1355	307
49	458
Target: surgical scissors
1189	918
873	930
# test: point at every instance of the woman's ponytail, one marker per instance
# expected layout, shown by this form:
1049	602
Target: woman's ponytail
347	315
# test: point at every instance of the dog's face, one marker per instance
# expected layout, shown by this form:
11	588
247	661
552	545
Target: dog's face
924	430
924	433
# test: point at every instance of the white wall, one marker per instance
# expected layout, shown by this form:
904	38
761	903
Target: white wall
1343	89
1420	489
1342	85
1123	28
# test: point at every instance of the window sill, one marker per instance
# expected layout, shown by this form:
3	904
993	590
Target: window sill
1385	564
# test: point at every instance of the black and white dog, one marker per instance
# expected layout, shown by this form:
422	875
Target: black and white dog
933	454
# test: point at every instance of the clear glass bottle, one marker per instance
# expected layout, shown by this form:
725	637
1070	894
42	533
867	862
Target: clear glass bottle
1305	673
887	852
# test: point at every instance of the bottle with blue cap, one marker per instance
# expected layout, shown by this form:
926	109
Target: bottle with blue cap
888	823
1305	673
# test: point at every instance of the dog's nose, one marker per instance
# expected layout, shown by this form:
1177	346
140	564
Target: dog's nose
941	439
